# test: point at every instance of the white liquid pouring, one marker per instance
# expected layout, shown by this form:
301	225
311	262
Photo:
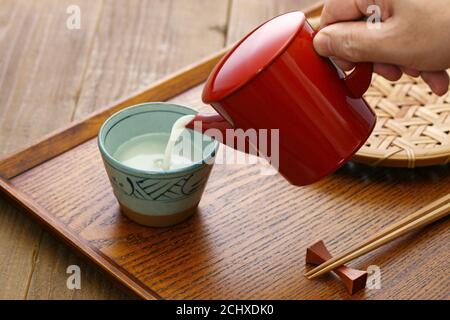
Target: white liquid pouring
177	129
153	152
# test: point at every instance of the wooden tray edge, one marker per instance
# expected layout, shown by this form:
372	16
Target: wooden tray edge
45	218
81	131
78	132
69	137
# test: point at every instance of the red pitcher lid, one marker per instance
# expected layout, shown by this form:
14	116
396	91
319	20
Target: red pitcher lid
251	55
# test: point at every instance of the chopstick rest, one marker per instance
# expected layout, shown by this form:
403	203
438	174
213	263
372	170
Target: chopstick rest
353	279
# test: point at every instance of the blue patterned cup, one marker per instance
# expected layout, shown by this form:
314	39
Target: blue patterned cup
155	198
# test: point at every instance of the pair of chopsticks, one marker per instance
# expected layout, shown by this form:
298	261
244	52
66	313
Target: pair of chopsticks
430	213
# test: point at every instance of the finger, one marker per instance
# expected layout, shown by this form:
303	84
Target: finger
411	71
388	71
352	41
340	10
348	10
437	80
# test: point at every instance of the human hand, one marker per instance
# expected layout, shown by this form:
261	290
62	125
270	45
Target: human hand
413	38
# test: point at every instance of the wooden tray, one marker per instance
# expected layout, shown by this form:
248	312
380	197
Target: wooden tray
249	237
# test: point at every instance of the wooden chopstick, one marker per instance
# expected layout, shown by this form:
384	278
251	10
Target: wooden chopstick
426	215
420	222
430	207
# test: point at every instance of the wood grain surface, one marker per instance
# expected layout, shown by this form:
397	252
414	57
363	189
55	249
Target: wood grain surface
248	239
50	76
80	131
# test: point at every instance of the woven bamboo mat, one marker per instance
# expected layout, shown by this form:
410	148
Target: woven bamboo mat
413	126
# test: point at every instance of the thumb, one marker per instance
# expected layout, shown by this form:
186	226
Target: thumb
351	41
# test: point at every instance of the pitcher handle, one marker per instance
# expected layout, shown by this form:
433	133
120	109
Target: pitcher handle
359	80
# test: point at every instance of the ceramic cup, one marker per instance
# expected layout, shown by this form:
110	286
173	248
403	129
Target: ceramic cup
155	198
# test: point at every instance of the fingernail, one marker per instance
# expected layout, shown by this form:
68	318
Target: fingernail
322	44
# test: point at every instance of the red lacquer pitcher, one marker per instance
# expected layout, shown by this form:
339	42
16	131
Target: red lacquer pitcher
273	79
